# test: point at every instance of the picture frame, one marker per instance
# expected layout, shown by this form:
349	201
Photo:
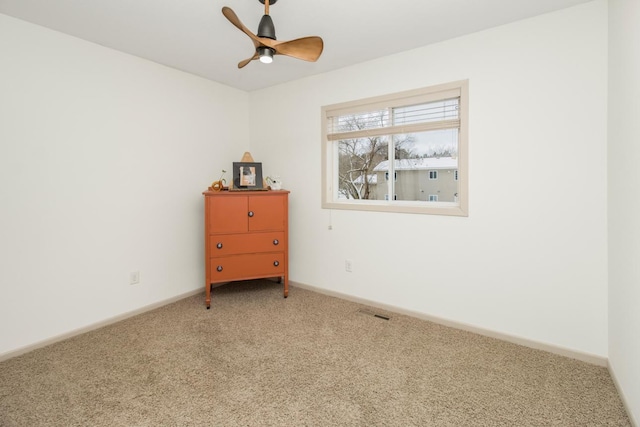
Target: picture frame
247	176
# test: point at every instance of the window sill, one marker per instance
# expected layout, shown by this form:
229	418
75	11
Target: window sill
425	208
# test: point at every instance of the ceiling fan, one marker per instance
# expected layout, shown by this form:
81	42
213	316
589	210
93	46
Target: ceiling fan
266	44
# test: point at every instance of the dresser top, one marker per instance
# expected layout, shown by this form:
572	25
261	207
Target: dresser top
244	192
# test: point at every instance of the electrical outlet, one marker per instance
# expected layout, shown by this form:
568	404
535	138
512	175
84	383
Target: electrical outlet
134	278
348	265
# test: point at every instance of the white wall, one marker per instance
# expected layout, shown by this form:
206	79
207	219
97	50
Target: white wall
103	157
624	205
531	258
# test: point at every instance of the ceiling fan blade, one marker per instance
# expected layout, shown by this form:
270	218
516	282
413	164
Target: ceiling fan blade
233	18
306	48
246	61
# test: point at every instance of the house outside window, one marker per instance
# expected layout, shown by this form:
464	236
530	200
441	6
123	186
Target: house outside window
418	136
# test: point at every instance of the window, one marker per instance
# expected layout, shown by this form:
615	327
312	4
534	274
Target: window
419	136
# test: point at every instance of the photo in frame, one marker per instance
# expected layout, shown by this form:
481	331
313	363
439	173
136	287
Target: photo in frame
247	176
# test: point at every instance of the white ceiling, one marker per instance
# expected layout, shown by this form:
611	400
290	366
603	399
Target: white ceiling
194	36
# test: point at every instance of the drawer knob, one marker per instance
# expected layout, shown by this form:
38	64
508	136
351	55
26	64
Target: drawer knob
276	242
276	263
250	214
219	268
219	245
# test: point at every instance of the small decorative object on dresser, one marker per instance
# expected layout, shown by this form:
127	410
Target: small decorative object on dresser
246	237
219	184
275	183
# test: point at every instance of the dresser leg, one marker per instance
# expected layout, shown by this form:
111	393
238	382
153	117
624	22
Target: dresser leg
286	286
207	298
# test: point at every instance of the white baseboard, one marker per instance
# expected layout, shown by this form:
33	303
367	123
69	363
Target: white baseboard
566	352
585	357
625	402
102	323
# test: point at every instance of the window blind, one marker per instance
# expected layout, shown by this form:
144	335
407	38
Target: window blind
434	115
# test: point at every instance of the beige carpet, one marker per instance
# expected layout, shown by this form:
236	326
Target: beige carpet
257	359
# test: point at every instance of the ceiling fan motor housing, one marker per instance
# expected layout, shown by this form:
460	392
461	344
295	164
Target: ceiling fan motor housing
266	28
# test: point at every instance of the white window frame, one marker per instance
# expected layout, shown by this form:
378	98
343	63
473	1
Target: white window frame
433	93
433	175
433	198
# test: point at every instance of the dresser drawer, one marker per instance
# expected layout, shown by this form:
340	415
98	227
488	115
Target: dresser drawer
247	266
231	244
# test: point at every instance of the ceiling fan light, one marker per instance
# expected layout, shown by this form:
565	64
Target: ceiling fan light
266	54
